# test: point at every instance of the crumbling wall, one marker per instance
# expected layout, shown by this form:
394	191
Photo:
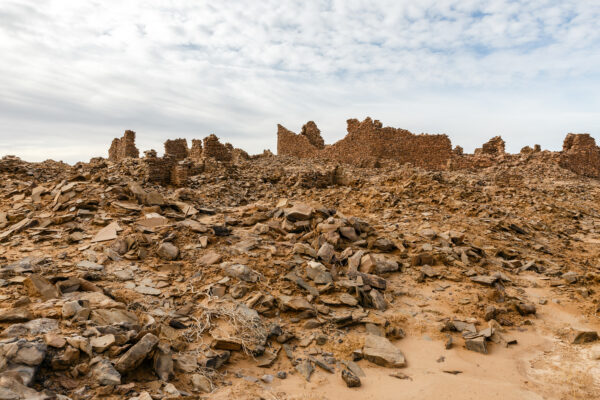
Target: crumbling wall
176	148
124	147
367	143
238	155
215	149
196	150
291	144
180	172
495	146
581	155
158	169
313	134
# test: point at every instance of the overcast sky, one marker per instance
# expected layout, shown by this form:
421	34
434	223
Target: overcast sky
74	74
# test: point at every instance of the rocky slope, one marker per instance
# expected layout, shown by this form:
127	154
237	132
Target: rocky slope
279	278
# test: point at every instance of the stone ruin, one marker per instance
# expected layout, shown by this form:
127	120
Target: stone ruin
178	162
581	155
123	147
368	143
495	146
177	149
214	149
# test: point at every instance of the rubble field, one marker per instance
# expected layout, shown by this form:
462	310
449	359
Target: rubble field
275	277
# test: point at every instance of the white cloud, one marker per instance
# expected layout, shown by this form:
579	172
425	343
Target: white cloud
75	74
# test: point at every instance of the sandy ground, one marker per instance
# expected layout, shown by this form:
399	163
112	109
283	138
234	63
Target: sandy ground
543	365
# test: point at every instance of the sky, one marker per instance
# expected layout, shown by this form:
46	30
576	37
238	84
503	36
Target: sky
76	74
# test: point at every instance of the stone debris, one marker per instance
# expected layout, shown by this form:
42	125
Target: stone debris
159	277
381	351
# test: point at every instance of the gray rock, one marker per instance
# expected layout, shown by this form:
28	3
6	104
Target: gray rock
101	343
381	351
295	303
349	233
477	344
136	354
105	374
88	265
299	212
25	352
350	378
241	272
34	327
167	251
111	317
304	249
378	300
37	285
525	308
200	383
70	308
163	361
305	368
147	290
326	252
20	314
582	337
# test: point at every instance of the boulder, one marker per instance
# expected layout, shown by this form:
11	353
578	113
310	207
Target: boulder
381	351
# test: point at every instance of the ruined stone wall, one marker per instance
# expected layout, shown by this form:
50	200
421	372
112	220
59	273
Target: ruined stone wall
158	170
581	155
238	155
215	149
494	146
367	143
180	172
313	134
124	147
290	144
176	148
196	150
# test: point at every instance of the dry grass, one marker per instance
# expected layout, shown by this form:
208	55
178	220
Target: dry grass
248	328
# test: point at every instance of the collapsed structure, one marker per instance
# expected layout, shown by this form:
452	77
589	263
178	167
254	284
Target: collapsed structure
178	162
123	147
368	143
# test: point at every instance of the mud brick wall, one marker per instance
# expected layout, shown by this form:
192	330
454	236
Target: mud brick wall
215	149
581	155
196	150
124	147
176	148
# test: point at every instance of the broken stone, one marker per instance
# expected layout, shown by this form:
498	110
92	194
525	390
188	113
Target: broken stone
101	343
476	344
136	354
299	212
201	383
326	252
37	285
167	251
305	369
381	351
581	337
105	374
350	378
